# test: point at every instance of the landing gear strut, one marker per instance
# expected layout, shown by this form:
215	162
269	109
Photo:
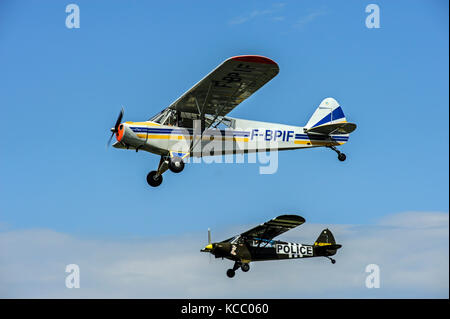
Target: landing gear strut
341	156
154	178
175	164
331	259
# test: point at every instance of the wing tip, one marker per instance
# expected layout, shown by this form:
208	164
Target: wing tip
254	58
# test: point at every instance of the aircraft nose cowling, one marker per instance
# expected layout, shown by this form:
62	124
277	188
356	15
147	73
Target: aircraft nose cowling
221	250
125	135
120	133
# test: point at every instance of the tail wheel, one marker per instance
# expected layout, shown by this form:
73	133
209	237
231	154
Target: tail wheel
342	157
153	179
230	273
245	267
176	164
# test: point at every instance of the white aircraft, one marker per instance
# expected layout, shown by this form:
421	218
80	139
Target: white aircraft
196	124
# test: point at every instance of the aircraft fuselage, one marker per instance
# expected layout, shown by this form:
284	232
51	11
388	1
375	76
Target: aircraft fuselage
250	136
253	250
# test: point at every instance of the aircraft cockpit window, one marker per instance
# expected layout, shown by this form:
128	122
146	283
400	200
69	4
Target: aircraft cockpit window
263	243
237	240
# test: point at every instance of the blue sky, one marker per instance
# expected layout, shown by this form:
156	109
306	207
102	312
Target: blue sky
62	89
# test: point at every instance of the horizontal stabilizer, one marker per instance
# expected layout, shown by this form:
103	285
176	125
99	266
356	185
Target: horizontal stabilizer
329	246
336	128
327	250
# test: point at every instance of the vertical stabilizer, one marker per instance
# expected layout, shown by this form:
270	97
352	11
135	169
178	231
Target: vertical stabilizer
328	112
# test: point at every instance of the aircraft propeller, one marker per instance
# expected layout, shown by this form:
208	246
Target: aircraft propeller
208	248
116	126
209	243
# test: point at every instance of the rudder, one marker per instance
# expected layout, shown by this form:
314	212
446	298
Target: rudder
328	112
325	238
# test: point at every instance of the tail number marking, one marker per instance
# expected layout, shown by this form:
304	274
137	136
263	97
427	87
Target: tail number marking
273	135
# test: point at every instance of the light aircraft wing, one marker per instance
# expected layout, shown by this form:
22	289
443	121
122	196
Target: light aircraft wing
274	227
223	89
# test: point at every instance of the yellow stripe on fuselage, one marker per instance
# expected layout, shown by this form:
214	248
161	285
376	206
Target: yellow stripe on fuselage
163	137
182	137
237	139
143	123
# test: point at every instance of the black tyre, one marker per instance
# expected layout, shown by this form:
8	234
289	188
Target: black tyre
342	157
333	261
245	267
154	181
176	164
230	273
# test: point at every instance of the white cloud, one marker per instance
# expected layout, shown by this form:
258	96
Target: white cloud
303	21
413	262
275	8
415	220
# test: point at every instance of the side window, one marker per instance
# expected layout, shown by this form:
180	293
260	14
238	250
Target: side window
235	240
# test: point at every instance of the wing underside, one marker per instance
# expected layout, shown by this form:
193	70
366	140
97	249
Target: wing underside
220	91
274	227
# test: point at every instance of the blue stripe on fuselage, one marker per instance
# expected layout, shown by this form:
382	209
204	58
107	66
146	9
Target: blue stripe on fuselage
319	137
189	131
186	131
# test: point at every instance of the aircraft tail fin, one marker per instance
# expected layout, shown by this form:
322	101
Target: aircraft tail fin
325	244
328	112
325	238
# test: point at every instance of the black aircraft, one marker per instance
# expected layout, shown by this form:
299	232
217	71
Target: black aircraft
256	244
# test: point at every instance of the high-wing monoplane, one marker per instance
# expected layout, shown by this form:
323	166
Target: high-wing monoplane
197	125
257	244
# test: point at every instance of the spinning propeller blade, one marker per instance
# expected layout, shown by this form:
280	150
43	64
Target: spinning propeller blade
116	126
209	242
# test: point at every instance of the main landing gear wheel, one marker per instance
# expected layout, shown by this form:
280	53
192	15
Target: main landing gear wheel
245	267
176	164
153	179
230	273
